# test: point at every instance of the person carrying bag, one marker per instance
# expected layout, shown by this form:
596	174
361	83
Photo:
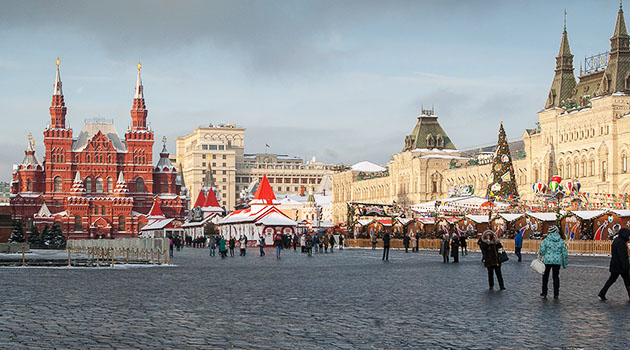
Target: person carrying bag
554	254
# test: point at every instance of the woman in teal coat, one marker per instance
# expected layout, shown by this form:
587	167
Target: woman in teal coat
554	254
222	249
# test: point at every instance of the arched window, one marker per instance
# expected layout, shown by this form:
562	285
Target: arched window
88	158
99	185
121	224
29	186
110	185
624	163
61	157
78	223
57	183
103	212
88	184
165	188
140	185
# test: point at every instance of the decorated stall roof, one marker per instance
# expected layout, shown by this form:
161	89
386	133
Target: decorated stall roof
544	216
509	217
588	214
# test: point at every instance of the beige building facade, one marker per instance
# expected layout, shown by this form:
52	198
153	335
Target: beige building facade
582	134
220	150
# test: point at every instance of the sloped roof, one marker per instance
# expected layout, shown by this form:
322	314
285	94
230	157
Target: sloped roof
156	211
211	199
427	125
91	129
544	216
264	194
510	217
201	199
588	214
367	167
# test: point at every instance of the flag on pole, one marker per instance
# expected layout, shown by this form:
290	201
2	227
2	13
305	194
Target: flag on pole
267	145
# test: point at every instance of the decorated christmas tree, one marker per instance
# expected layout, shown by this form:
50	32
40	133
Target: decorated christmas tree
17	235
502	183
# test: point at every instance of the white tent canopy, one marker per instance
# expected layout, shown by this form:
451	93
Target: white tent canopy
454	203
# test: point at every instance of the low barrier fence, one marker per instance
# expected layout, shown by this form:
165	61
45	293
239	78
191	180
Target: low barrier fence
128	250
529	245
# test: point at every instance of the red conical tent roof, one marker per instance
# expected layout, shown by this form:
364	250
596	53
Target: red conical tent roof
155	208
211	199
201	199
265	192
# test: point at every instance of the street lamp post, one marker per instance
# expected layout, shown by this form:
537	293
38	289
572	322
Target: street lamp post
435	225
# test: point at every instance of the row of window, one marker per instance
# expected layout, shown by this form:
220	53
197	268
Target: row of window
214	156
97	186
215	147
78	222
280	180
578	135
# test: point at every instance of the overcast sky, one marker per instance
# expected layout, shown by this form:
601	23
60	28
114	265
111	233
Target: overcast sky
339	80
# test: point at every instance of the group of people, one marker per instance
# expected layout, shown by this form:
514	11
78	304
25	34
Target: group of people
552	253
219	243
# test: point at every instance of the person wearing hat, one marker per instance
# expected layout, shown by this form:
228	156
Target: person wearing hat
619	265
554	254
490	245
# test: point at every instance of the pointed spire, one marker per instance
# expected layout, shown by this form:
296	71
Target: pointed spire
264	194
211	200
156	211
139	92
181	173
30	158
58	106
121	185
77	184
208	180
201	199
564	80
618	67
57	89
164	164
139	110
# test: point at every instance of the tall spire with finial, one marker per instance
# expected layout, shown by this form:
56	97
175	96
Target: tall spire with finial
563	80
58	107
614	79
139	110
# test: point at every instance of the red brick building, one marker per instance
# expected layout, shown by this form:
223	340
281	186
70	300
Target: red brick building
96	184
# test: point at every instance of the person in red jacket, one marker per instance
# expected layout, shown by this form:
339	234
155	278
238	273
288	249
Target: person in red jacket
277	241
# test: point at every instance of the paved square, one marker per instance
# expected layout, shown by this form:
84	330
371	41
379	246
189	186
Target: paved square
345	300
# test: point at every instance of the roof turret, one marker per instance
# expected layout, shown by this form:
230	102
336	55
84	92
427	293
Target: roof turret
563	85
77	184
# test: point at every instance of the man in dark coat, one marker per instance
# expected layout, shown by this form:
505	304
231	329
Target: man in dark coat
406	241
386	239
619	265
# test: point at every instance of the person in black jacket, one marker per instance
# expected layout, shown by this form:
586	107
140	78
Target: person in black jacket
490	245
619	265
455	248
386	239
406	241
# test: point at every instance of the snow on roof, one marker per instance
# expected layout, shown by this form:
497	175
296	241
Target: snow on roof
264	194
622	212
404	221
364	222
256	215
480	219
275	219
434	150
588	214
367	167
157	224
510	217
442	156
43	211
544	216
91	129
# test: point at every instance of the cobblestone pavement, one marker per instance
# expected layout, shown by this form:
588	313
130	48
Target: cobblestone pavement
346	300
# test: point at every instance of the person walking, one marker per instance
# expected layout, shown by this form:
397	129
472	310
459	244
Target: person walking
170	246
554	254
463	244
386	239
309	245
232	244
455	248
315	242
491	245
374	240
414	242
341	238
406	241
278	243
261	243
332	242
518	244
212	245
222	248
479	242
243	241
295	241
619	265
445	247
325	241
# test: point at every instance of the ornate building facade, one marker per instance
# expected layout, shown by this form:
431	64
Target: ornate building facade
582	134
95	184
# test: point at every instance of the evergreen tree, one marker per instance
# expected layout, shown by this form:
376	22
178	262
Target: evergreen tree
58	238
46	238
34	238
502	183
17	235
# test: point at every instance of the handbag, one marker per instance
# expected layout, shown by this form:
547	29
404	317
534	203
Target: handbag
503	257
537	265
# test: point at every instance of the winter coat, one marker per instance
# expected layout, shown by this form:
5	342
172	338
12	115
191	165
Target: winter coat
406	241
386	240
553	250
213	242
278	241
445	246
619	251
232	243
243	241
332	240
462	240
518	239
490	249
454	246
222	245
